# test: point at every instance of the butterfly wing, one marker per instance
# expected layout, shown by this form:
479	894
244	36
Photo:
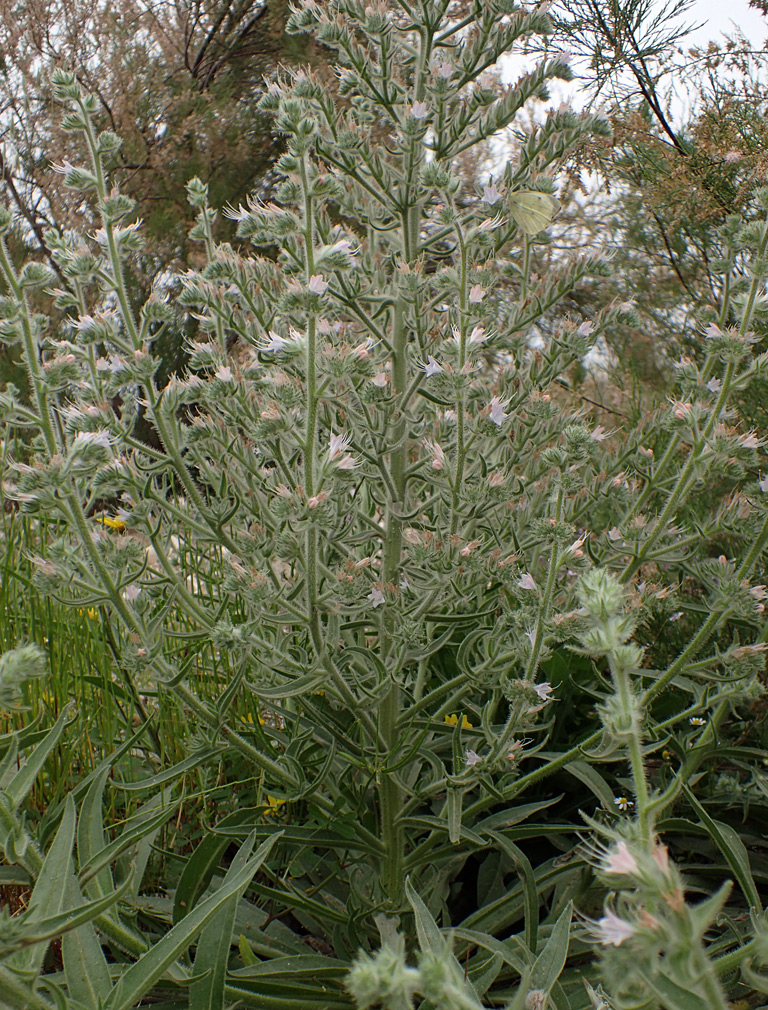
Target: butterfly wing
531	211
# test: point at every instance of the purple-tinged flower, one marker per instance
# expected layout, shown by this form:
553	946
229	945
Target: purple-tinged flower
473	758
544	690
527	581
274	343
419	110
375	597
714	385
491	195
432	367
476	293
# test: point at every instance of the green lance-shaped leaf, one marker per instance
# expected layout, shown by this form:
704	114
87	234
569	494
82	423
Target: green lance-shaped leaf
144	822
140	977
90	834
19	785
85	967
551	961
732	847
49	894
431	941
215	941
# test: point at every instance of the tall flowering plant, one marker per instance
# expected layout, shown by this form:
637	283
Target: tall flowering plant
372	491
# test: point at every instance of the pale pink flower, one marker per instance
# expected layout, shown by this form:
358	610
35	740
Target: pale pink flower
491	195
375	597
380	380
620	860
750	440
435	448
347	463
682	410
476	293
224	373
473	758
732	156
527	581
660	856
543	690
419	110
613	931
497	414
432	367
361	351
614	534
274	343
714	385
317	284
338	445
585	328
131	593
599	434
478	335
444	70
101	438
713	330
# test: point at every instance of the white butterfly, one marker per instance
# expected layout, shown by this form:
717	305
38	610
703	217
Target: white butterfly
532	211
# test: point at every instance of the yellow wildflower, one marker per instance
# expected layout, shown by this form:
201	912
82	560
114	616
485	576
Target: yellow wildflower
112	521
273	806
451	720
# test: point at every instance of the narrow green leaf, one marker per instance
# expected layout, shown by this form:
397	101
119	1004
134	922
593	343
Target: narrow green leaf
215	941
593	780
170	774
431	940
44	930
676	997
132	834
24	778
202	864
90	833
551	961
528	879
85	967
427	930
50	889
732	847
140	977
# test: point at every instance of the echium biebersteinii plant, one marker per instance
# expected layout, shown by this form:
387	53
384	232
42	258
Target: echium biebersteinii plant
370	489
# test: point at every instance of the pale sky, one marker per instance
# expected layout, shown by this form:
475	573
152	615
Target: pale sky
720	15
